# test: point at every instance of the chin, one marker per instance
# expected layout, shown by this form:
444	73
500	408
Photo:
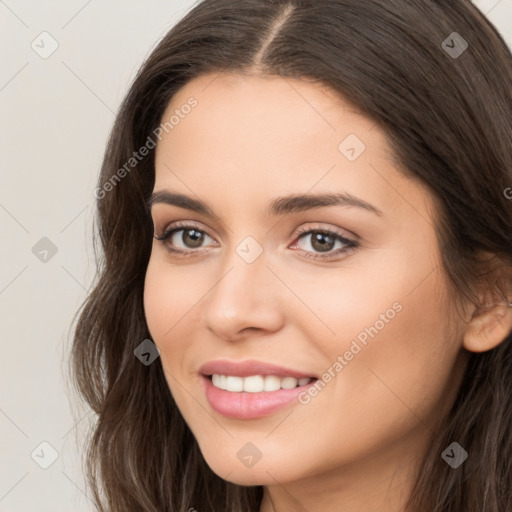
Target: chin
262	472
242	476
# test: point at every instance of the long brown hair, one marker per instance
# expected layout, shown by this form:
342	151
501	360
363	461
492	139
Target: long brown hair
446	107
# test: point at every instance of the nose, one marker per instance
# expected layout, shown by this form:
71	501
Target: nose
247	298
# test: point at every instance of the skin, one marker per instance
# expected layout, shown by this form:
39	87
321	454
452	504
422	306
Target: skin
357	444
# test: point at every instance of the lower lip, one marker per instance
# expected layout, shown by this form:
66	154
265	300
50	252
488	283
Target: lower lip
247	406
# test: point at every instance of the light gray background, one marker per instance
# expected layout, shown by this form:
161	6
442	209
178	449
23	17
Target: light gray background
56	114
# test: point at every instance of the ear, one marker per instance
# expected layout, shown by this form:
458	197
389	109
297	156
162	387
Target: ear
490	324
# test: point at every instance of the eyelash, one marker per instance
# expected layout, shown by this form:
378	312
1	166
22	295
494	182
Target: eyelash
350	245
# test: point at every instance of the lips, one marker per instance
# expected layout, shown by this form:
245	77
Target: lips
242	404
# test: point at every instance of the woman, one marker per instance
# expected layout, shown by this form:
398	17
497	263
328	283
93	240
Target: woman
304	299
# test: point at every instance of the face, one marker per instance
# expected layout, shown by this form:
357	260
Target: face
326	321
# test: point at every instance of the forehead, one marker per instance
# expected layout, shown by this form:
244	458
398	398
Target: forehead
272	106
248	123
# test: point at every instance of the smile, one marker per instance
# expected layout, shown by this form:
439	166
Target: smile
251	389
257	383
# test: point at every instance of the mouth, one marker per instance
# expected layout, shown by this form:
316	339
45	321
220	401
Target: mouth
257	383
252	389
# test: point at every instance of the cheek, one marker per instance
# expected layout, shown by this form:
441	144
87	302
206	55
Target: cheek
169	296
158	298
394	336
398	355
392	383
172	305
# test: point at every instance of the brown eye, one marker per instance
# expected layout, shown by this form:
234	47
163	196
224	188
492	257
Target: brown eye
183	238
324	241
192	238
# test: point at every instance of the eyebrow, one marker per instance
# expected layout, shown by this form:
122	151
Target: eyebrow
278	206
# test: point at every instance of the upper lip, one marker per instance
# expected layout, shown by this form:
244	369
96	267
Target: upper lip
249	367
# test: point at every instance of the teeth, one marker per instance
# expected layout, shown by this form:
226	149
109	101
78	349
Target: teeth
272	383
234	383
257	383
289	383
254	384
